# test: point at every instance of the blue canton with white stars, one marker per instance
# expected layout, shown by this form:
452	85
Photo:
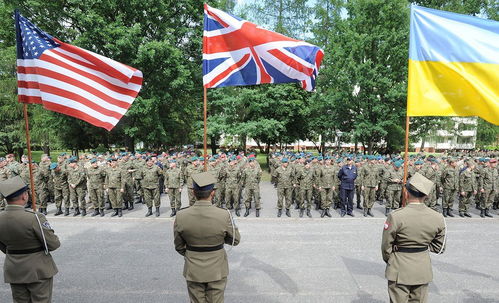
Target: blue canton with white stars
34	40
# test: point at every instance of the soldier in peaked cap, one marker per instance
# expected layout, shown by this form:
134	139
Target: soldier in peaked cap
200	232
409	234
26	238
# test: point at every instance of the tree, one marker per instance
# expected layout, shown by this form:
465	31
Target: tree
487	134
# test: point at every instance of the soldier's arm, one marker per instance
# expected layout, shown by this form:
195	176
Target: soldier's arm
232	232
180	245
388	239
437	244
50	236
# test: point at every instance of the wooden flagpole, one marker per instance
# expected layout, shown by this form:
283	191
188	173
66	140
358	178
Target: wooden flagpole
30	165
205	103
406	159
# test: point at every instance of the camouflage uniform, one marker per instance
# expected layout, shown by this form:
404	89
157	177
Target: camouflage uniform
306	181
174	181
433	175
4	175
489	182
150	184
251	179
284	180
394	188
76	176
190	170
450	183
467	189
369	180
233	176
114	185
41	178
96	177
61	187
328	184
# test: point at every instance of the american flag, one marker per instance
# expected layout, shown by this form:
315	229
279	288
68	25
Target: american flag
238	52
70	80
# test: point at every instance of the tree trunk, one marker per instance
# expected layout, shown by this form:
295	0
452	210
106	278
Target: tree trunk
243	143
323	147
423	141
213	145
260	147
46	149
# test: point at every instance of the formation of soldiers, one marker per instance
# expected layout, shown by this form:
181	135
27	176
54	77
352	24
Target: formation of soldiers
118	181
305	180
115	182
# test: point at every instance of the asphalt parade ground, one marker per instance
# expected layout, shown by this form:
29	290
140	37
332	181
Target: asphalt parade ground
132	259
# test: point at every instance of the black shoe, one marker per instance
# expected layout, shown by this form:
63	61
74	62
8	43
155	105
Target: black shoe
157	211
323	213
369	213
279	213
297	206
247	212
59	211
335	206
309	214
77	212
96	212
237	212
288	213
494	206
66	212
102	212
317	207
109	207
328	213
257	213
351	214
83	212
115	213
467	214
487	214
126	206
365	212
449	213
461	214
444	212
387	211
342	214
131	206
120	212
301	212
482	213
358	205
174	212
149	212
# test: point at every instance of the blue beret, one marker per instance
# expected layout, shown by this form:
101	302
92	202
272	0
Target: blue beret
419	162
53	165
284	160
194	158
201	158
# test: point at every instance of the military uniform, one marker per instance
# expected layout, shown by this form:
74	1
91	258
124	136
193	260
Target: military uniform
128	168
394	189
150	184
284	180
114	187
467	190
27	267
41	178
96	177
4	175
328	185
251	179
200	232
432	174
450	184
369	180
189	171
306	180
232	180
489	183
174	181
77	186
61	188
409	234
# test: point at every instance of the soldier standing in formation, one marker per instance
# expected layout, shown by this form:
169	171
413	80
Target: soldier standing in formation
174	182
150	176
96	177
251	182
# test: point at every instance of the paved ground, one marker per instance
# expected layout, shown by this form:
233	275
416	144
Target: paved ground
132	259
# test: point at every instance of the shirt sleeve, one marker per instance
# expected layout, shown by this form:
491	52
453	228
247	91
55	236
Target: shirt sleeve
388	239
51	239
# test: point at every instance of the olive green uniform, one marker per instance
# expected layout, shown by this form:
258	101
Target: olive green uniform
207	226
450	184
150	184
467	189
76	176
29	274
284	180
41	178
128	168
96	177
306	181
232	181
61	187
433	175
369	179
174	181
251	180
489	182
415	226
189	171
114	185
328	184
394	188
4	175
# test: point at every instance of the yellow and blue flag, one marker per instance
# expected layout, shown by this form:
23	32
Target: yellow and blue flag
453	65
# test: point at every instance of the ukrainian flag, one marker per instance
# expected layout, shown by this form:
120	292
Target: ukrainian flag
453	65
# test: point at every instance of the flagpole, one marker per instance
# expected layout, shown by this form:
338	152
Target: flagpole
28	143
205	103
406	158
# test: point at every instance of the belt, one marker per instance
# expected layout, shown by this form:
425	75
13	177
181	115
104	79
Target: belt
410	249
24	251
205	248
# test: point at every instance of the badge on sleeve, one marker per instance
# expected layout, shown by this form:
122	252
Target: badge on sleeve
387	225
46	224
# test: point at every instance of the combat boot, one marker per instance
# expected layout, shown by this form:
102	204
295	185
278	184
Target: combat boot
247	212
157	211
59	211
257	213
494	206
174	212
131	206
461	214
96	212
482	213
126	206
467	214
369	213
120	212
237	212
323	213
77	211
66	212
279	213
365	212
487	214
358	205
387	211
444	212
102	212
115	213
44	211
149	212
297	206
83	212
309	214
328	213
449	213
288	213
109	206
301	212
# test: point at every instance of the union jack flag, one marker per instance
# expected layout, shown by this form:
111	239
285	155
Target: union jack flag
238	52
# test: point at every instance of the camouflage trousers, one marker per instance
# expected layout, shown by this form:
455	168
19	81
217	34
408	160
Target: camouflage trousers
128	192
2	202
220	195
305	198
252	194
232	196
393	198
115	199
465	201
190	194
284	197
448	198
327	195
174	194
77	197
369	196
61	196
358	194
151	195
96	196
431	199
42	195
488	197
